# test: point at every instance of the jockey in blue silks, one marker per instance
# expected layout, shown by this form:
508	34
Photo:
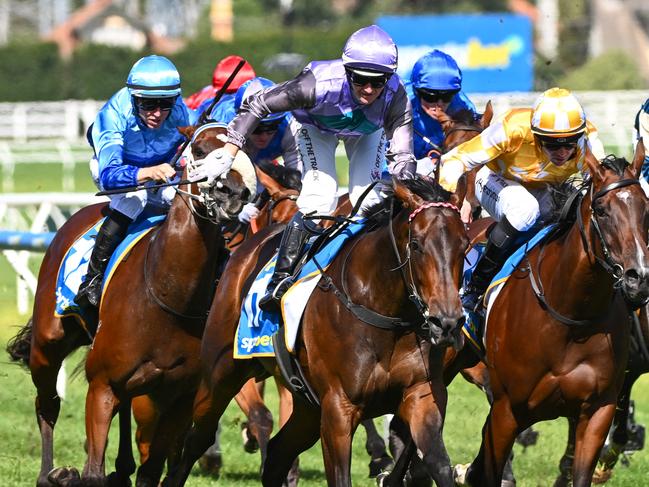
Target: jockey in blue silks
436	83
359	100
642	131
134	136
272	138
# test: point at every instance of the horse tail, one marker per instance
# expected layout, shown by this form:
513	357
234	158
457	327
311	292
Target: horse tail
19	347
80	367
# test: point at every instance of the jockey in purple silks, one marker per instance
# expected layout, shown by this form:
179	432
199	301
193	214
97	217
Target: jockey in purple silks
359	100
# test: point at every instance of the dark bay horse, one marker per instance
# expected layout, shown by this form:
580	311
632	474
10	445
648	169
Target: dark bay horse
557	334
357	370
141	304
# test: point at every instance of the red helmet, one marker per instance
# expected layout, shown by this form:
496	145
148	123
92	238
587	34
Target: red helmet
224	69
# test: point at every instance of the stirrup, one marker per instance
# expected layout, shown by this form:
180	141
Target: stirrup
90	294
472	300
272	298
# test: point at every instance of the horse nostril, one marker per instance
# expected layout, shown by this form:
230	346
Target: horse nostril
631	276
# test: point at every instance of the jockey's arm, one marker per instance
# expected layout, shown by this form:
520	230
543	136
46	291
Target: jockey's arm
398	130
285	97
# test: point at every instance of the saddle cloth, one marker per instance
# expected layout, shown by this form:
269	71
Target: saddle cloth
475	325
256	327
74	264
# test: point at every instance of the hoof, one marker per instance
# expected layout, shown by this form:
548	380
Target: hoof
562	481
527	438
601	476
250	444
460	472
64	477
378	465
117	480
508	483
211	464
380	478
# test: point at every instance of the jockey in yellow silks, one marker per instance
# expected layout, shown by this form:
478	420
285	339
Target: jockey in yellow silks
520	155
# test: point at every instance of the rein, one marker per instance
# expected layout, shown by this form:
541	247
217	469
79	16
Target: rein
608	264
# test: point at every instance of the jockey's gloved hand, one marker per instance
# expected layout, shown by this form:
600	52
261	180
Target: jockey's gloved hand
216	164
248	212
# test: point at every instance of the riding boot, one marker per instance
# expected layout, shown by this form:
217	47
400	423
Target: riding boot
110	234
290	248
501	243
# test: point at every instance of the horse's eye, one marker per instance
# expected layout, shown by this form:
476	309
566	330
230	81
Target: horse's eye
599	211
199	154
414	245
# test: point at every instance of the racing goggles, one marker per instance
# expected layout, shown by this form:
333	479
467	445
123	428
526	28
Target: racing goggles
363	78
150	104
556	143
266	127
432	96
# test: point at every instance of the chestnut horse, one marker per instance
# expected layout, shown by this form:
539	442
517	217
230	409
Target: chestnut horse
151	320
554	353
357	370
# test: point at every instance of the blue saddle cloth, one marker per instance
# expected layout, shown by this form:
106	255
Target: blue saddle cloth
474	325
256	327
75	263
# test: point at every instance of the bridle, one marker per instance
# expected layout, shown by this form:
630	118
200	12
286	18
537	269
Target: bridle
613	268
274	202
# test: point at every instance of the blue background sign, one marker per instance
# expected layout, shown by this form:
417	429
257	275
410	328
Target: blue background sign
494	51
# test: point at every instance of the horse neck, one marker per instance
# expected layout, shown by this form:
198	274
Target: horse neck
573	268
186	245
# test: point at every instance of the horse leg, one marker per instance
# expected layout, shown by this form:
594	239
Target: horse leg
408	465
212	460
166	442
298	434
591	433
375	446
260	419
565	464
101	406
209	404
146	416
124	463
285	411
498	436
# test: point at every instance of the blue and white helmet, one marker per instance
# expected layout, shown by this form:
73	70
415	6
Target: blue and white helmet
249	88
370	48
436	70
153	77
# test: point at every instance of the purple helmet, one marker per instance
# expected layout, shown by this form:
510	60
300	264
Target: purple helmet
370	48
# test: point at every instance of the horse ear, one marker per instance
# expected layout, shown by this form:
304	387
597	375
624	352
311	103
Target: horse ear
638	158
187	131
594	167
460	191
407	197
269	183
487	115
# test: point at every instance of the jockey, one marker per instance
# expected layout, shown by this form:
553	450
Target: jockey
520	155
272	138
358	100
436	82
133	136
642	132
201	99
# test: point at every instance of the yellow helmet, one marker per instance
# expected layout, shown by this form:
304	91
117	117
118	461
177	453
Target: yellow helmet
558	115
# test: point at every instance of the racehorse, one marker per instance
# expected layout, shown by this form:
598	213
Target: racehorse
148	312
554	353
357	370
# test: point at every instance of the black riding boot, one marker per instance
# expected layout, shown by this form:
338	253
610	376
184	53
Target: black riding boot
290	248
110	234
500	245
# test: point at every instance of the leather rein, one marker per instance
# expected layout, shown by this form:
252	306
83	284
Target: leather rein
608	264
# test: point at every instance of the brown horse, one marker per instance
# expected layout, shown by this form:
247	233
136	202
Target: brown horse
357	370
554	353
146	310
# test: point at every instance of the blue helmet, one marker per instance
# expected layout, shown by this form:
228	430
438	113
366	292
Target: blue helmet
436	70
153	77
251	87
370	48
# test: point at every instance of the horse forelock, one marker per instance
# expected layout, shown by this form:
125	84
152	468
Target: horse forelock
615	164
287	177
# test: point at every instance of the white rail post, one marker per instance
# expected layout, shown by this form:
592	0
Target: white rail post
8	167
67	159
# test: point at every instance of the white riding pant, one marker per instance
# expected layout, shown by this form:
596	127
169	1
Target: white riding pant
502	197
317	153
133	203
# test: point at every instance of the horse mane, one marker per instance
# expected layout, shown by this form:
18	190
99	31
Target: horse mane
615	164
287	177
427	189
